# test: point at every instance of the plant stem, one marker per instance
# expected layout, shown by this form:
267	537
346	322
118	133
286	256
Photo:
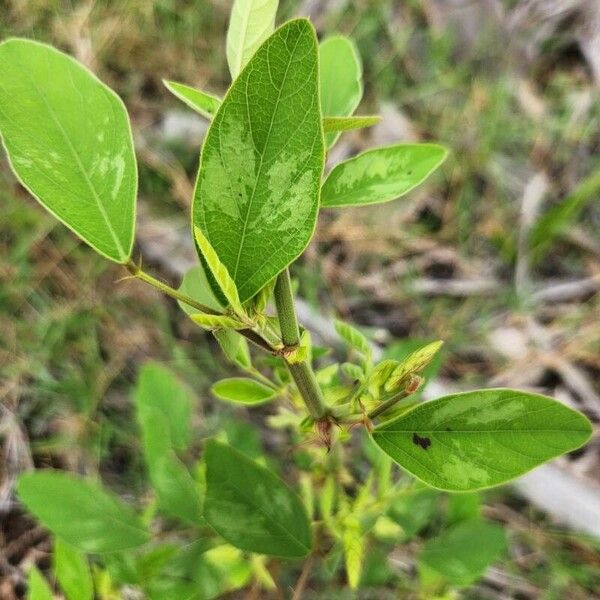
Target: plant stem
249	334
301	372
284	301
384	406
166	289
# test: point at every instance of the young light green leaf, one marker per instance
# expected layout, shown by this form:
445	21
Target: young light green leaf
243	391
257	192
413	364
81	511
335	124
340	75
72	572
480	439
381	174
202	102
234	346
219	271
158	388
38	588
69	142
251	508
354	338
213	322
462	553
251	23
354	549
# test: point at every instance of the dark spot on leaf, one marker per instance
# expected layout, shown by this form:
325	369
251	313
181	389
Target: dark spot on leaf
424	442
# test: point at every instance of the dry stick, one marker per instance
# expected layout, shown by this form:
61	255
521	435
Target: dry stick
302	580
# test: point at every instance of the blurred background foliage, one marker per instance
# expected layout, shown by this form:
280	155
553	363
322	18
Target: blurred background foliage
499	254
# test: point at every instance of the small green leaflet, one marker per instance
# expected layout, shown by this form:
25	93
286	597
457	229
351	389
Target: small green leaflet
243	391
219	271
252	508
202	102
250	24
462	553
413	364
69	142
353	337
381	174
213	322
81	512
72	572
257	192
480	439
332	124
38	588
340	75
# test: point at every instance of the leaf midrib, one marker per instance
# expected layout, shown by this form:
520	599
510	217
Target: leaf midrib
262	155
103	213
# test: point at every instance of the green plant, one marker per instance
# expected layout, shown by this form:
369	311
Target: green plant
258	192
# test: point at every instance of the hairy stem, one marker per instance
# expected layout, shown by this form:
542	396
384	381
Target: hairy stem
384	406
249	334
301	372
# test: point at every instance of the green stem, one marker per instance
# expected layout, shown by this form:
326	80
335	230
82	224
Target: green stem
249	334
384	406
301	372
284	301
168	290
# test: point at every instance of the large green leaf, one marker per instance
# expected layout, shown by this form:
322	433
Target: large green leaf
81	511
463	552
72	572
69	142
340	75
252	508
250	24
480	439
164	411
381	174
202	102
158	388
257	193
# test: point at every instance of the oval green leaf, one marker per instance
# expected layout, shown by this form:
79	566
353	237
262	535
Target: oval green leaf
38	588
381	174
81	511
252	508
340	77
203	103
332	124
69	142
257	192
250	24
463	553
72	572
242	390
480	439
